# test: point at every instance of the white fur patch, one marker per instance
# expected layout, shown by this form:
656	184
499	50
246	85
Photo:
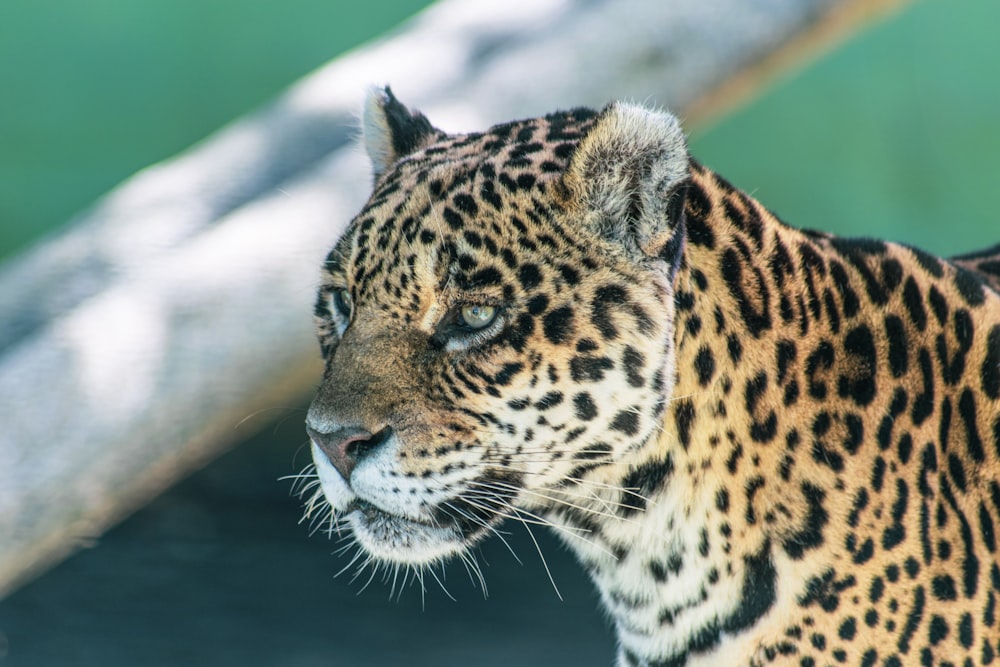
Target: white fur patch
376	132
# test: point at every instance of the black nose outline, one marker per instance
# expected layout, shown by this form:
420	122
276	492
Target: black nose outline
346	446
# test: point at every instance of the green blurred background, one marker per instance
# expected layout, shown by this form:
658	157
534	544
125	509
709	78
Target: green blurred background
893	134
93	90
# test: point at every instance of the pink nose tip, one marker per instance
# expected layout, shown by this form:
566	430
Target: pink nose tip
346	446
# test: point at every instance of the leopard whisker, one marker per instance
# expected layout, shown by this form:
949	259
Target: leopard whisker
472	566
538	494
541	556
357	555
498	512
407	571
395	577
308	473
631	490
340	551
441	583
557	448
542	521
588	496
419	572
374	567
518	516
447	505
317	509
291	410
594	495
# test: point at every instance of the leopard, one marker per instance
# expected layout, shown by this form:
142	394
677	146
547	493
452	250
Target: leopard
765	445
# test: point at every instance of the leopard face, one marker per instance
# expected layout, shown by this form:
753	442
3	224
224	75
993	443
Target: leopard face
489	334
765	445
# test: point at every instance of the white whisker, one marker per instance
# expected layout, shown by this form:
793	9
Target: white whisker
544	563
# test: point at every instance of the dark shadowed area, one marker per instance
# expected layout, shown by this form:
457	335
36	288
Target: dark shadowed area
217	572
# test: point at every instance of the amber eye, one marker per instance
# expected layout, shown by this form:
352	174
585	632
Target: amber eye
477	317
341	300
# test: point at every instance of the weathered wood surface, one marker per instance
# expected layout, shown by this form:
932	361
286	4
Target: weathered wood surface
172	319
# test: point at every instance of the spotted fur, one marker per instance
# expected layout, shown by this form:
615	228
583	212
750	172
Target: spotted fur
765	445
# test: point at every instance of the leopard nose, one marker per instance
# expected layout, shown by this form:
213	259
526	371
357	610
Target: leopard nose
347	446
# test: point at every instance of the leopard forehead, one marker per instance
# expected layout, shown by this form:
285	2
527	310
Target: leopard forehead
445	212
484	216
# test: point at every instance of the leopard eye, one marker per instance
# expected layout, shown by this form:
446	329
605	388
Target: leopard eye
477	317
342	303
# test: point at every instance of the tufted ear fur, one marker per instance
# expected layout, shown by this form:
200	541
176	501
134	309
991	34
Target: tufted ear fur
391	131
628	176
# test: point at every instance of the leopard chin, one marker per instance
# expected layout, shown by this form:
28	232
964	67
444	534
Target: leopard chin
391	538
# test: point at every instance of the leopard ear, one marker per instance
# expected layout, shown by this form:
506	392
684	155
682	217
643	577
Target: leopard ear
628	177
391	131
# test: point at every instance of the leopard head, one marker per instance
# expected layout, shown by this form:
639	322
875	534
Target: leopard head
496	322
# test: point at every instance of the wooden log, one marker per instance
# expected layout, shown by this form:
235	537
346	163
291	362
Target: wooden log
174	317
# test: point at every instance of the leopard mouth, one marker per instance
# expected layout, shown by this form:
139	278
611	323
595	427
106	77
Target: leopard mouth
453	527
395	538
372	515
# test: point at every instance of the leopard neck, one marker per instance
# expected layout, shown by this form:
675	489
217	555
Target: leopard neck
697	496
